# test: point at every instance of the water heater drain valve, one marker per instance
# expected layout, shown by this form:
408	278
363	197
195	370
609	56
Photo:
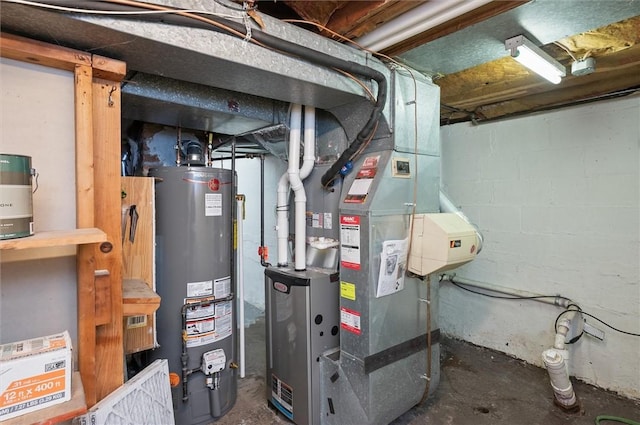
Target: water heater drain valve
213	361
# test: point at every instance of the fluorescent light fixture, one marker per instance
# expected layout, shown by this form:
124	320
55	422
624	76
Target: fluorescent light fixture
415	21
531	56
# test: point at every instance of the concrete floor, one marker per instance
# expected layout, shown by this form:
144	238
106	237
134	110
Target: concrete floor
478	386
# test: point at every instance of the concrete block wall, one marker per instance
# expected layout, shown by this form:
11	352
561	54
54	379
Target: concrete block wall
557	197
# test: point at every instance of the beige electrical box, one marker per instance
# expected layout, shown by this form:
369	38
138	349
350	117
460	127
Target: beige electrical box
441	242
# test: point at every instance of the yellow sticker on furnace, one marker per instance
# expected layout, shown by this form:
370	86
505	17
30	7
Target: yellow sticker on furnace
348	290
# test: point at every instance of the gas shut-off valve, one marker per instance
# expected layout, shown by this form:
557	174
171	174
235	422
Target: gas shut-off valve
213	362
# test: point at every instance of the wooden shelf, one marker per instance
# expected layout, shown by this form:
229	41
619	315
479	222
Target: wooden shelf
138	298
58	413
56	238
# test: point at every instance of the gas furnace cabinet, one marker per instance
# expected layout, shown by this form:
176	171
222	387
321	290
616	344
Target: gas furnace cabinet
196	320
379	371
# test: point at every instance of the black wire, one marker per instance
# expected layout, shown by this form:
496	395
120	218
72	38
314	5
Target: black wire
504	297
555	326
609	326
599	320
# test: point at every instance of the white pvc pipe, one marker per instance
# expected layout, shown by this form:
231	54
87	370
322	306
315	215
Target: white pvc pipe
296	174
282	219
559	301
416	21
309	155
558	371
240	278
300	200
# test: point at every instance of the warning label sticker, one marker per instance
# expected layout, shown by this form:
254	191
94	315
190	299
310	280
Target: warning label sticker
350	241
199	289
361	186
348	291
207	322
350	320
212	204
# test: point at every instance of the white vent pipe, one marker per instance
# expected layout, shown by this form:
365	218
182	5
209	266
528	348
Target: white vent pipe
309	154
282	219
294	177
447	206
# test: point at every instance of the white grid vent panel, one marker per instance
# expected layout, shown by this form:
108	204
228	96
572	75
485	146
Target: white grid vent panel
143	400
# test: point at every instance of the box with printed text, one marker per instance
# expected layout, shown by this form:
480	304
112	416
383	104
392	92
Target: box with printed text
34	374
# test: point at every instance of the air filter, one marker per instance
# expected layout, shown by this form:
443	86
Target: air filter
143	400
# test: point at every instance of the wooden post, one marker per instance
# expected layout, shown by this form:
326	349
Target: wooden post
106	153
85	260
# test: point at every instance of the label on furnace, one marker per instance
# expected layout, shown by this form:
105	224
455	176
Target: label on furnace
350	320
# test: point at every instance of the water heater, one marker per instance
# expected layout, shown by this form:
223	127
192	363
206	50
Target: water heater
196	320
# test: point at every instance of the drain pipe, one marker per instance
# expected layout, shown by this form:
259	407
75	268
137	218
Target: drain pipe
447	206
556	360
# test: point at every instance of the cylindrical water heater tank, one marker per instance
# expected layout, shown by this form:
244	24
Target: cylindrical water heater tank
196	320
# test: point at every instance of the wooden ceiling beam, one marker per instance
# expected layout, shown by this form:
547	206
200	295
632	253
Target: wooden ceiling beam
357	18
528	93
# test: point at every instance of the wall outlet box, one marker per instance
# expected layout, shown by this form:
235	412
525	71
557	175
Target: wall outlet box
34	374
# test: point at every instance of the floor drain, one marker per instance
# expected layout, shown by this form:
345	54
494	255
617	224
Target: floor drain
482	409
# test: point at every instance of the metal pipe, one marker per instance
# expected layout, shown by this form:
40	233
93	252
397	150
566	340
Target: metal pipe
178	146
263	248
557	300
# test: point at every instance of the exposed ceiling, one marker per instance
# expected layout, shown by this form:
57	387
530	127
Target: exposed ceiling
460	43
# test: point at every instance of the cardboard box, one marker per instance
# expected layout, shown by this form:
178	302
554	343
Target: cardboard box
34	374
